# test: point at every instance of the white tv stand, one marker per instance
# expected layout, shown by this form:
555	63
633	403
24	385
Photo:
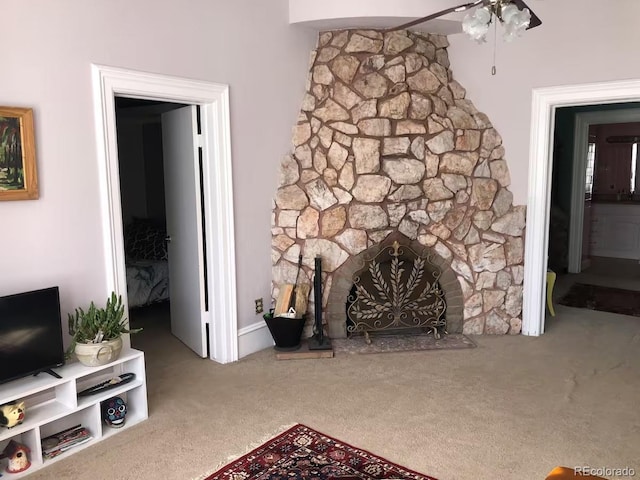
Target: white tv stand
53	405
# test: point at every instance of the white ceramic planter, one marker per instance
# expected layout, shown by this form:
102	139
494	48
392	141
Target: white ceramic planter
97	354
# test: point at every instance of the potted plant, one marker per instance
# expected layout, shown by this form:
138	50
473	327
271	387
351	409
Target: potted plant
96	335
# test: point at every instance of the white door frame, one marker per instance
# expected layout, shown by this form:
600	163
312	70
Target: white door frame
544	103
581	136
217	189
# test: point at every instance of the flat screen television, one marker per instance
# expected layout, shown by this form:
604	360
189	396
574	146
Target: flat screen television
30	333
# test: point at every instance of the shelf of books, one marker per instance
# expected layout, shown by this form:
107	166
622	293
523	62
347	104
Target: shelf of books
63	417
69	432
63	441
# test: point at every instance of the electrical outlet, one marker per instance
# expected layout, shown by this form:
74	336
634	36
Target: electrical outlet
259	306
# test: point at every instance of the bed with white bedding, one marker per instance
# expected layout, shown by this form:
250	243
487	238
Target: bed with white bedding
147	282
147	263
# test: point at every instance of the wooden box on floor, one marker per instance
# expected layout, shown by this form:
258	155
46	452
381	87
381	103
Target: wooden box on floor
304	353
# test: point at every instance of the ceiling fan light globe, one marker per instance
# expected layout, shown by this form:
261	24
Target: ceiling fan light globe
476	24
516	27
517	19
483	15
477	32
509	35
508	13
523	19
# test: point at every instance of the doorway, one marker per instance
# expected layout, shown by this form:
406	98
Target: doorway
545	101
109	83
586	132
594	217
143	205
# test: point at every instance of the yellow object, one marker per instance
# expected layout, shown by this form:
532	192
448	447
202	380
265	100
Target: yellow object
551	281
565	473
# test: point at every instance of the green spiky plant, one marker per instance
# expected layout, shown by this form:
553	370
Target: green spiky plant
98	324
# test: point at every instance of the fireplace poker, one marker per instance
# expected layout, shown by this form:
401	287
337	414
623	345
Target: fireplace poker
292	300
318	341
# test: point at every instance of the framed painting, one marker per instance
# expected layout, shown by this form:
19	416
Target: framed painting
18	179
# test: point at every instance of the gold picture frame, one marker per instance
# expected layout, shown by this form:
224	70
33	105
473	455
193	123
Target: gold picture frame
18	178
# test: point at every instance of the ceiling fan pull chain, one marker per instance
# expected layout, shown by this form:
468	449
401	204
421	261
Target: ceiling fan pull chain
495	46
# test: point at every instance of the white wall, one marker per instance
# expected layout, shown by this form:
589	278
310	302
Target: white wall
579	41
247	44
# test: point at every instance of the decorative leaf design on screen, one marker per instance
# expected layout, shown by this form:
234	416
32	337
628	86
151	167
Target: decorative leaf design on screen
396	289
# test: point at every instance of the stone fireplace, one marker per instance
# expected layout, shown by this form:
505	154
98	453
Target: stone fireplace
386	144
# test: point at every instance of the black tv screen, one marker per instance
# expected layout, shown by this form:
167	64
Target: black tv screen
30	333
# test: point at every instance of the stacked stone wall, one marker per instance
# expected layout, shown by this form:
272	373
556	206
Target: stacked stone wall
386	141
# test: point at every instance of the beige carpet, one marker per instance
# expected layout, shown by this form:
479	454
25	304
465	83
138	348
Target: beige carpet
512	408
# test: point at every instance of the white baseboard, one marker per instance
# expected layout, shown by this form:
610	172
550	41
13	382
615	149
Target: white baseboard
254	338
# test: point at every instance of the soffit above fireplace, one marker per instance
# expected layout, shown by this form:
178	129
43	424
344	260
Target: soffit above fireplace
342	14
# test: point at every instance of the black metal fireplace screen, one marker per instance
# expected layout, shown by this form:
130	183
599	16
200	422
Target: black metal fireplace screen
396	289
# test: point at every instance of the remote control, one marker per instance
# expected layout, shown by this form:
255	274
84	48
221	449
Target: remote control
108	384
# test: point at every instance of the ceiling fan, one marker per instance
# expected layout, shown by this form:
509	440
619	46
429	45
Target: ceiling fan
514	15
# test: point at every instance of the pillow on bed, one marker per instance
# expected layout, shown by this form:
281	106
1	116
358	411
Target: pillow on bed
145	240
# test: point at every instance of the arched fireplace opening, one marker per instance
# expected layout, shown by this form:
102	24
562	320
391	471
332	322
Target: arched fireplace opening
396	286
397	290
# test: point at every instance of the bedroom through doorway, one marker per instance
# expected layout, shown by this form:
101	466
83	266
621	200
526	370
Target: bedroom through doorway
144	219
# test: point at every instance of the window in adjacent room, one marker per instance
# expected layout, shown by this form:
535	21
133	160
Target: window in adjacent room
591	157
634	156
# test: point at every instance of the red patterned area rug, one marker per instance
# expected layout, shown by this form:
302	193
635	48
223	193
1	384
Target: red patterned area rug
301	453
